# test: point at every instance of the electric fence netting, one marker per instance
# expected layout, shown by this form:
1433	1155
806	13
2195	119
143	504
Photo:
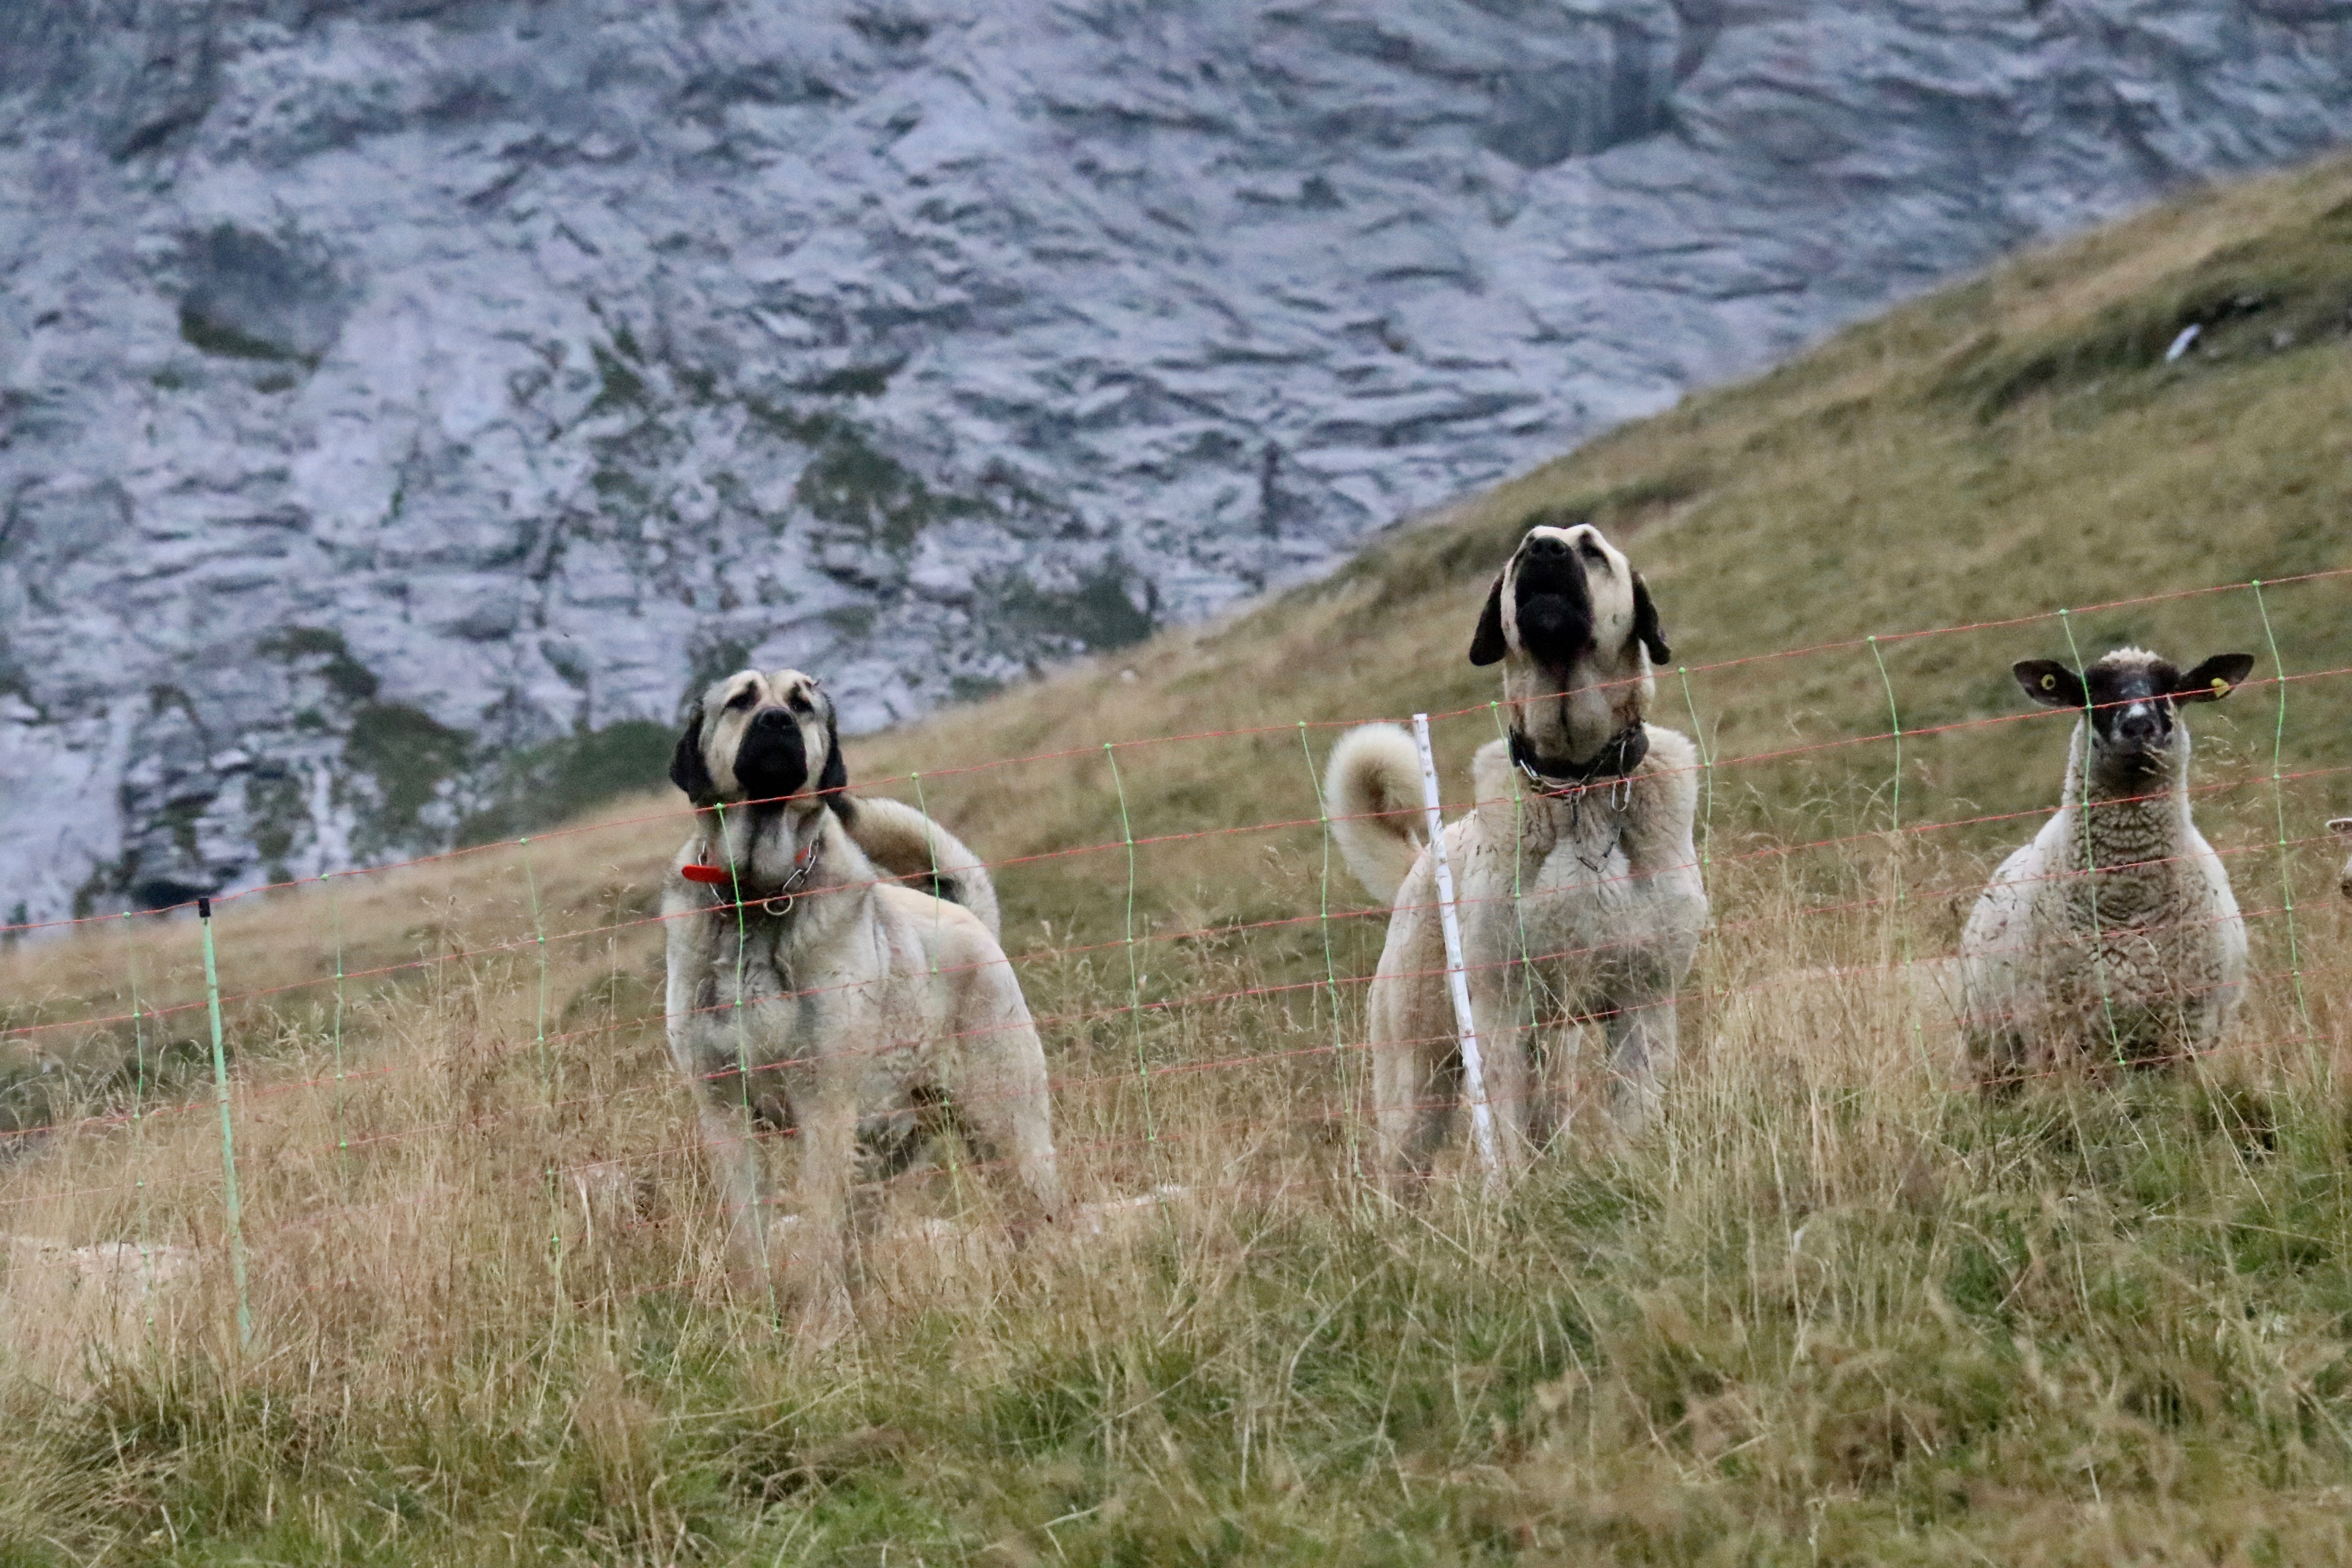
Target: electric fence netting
351	1105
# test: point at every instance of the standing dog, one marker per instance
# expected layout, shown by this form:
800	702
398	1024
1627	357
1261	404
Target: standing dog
1579	887
809	990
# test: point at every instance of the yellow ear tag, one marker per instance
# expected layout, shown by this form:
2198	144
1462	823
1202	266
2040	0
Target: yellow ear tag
2221	686
2049	683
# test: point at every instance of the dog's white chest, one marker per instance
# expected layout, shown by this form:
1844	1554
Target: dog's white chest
1580	894
1564	897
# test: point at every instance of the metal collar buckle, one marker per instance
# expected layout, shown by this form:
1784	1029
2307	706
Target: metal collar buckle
782	899
776	903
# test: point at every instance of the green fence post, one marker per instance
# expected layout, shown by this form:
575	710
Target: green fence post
1894	832
138	1116
227	1128
1348	1092
2278	799
546	1069
1134	969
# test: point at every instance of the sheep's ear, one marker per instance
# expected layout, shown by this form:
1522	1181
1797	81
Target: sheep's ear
833	779
1645	623
687	770
2049	682
2215	679
1486	644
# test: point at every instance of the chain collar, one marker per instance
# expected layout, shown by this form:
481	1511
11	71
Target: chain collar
1559	777
1572	782
775	904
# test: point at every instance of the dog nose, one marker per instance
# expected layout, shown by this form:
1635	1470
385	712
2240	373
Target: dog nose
1547	544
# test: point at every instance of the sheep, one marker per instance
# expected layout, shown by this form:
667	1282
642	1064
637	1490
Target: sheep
2113	934
2342	827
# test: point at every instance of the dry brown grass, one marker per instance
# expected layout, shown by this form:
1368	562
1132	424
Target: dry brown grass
1834	1299
1836	1308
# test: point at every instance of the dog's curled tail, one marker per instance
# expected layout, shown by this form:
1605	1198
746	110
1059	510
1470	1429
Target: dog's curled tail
1372	790
910	847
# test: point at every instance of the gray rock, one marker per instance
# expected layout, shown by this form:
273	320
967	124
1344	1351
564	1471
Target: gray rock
389	391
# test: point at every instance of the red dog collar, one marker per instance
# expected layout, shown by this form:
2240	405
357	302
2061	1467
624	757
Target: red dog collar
724	876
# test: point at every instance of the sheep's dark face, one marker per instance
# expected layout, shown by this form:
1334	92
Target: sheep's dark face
2133	699
2342	828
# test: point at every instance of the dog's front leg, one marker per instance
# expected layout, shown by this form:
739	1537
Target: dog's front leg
816	1275
1505	1065
1642	1051
741	1175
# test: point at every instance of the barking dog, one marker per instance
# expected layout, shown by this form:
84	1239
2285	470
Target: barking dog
810	991
1579	889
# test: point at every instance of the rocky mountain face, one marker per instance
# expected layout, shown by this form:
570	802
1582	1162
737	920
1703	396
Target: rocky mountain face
402	402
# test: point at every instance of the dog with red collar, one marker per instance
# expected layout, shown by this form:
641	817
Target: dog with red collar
811	990
1579	889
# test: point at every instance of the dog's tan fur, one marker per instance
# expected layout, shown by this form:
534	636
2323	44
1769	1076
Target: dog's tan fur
907	845
863	1009
1579	902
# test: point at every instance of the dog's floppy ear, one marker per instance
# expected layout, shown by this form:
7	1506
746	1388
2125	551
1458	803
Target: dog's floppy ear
687	770
2049	682
1486	644
832	780
1645	623
2215	679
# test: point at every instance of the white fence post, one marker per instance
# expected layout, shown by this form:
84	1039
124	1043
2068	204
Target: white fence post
1473	1068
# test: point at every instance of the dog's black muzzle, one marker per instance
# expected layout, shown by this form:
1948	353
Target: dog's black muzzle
1555	603
771	761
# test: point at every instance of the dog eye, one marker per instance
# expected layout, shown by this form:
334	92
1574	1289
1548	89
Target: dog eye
1591	550
743	699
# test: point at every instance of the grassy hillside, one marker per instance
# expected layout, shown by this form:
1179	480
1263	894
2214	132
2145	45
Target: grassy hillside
1836	1309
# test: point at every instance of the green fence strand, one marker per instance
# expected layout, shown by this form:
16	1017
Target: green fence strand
953	1145
1907	989
547	1071
227	1128
1134	963
931	847
1528	976
1348	1089
2090	868
138	1117
1706	774
2278	800
1894	720
335	921
743	1059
